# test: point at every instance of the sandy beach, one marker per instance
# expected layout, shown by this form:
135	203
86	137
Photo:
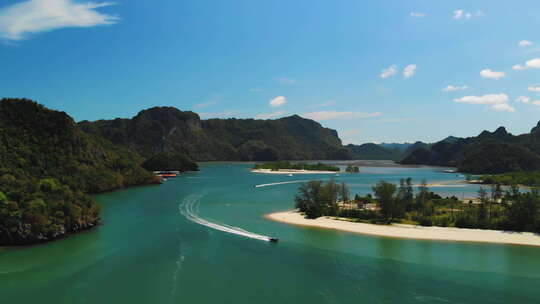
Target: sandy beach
410	231
292	171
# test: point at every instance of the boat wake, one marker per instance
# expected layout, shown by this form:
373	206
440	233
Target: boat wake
281	183
189	206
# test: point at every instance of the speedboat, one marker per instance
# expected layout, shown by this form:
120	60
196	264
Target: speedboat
273	239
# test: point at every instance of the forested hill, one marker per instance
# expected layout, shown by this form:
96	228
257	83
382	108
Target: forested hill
169	130
48	165
489	152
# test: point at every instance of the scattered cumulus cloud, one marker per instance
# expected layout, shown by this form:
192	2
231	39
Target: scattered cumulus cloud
269	115
531	64
418	14
389	72
277	102
504	107
535	89
328	115
523	99
409	71
527	100
19	20
497	102
461	14
489	74
452	88
524	43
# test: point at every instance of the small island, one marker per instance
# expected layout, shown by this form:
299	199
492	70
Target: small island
285	167
497	216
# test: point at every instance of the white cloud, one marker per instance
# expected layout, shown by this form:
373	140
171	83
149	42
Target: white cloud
19	20
461	14
524	43
534	89
285	80
504	107
452	88
409	71
278	101
523	99
270	115
389	72
327	115
527	100
418	14
498	102
490	99
531	64
487	73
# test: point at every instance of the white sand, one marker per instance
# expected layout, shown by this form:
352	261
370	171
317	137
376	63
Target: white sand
411	231
292	171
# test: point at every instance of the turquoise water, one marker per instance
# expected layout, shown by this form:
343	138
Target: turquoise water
148	251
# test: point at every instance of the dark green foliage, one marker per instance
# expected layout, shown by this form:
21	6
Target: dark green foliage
371	151
169	162
488	153
518	178
316	198
352	169
47	165
167	129
275	166
385	194
497	209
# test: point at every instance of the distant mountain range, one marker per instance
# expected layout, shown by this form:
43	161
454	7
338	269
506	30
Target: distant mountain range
393	151
489	152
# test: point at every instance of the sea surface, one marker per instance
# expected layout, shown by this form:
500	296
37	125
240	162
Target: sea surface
202	238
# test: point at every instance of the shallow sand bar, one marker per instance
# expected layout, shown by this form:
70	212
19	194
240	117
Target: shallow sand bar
411	231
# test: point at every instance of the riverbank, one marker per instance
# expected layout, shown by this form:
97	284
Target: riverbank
292	171
410	231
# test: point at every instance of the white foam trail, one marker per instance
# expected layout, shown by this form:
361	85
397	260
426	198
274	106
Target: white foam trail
281	183
187	209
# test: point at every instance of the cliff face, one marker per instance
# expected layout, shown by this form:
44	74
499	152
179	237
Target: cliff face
47	166
489	152
167	129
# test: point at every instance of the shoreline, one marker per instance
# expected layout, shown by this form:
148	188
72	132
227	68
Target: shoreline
404	231
292	171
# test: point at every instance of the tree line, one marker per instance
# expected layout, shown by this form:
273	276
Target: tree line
495	208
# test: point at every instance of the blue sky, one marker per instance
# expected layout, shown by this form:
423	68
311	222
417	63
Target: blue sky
377	71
